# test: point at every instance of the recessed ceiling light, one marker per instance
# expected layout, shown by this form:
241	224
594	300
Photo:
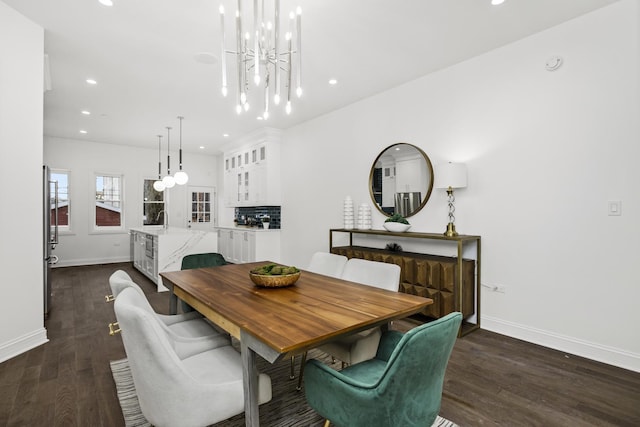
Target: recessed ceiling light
83	131
86	113
226	135
202	147
496	2
91	82
333	82
106	2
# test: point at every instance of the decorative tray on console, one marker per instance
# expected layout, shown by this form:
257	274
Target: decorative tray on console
274	276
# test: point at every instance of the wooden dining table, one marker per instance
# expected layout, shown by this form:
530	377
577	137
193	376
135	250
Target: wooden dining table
280	322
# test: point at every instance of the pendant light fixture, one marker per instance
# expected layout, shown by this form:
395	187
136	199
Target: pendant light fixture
169	181
181	176
262	54
159	185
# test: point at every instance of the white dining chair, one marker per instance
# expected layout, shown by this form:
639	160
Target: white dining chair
363	345
381	275
190	325
176	384
322	263
327	263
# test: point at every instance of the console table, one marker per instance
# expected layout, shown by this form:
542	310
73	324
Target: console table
452	282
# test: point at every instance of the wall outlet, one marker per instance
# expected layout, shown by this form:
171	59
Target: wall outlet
615	207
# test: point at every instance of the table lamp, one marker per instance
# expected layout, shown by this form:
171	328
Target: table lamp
450	176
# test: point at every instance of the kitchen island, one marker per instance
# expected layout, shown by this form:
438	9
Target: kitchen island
155	250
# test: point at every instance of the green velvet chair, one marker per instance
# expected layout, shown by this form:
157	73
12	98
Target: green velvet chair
401	386
211	259
189	262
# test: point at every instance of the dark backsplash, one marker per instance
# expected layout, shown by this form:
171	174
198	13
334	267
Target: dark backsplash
253	216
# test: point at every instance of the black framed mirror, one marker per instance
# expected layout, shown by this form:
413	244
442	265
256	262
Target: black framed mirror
401	180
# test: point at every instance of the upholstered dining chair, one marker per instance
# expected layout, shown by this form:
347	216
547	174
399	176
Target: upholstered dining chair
327	263
176	383
322	263
189	262
210	259
189	325
401	386
362	345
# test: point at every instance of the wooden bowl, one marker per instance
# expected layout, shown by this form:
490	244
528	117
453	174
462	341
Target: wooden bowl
274	281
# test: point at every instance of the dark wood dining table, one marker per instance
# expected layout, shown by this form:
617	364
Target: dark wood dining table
279	322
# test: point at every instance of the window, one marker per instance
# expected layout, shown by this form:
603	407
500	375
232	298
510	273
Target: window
152	204
108	212
60	178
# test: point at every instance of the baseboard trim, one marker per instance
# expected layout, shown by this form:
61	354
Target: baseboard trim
91	261
609	355
22	344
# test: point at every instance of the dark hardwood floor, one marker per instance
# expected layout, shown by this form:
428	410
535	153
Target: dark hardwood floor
491	379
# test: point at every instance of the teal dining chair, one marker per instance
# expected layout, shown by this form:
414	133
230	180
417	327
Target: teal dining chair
189	262
401	386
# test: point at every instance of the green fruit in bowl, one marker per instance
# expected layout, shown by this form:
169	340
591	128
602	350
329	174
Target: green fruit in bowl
275	270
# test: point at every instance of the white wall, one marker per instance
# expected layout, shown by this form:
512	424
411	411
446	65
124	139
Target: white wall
545	153
21	248
83	159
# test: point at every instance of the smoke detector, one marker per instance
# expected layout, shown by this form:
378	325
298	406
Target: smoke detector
553	63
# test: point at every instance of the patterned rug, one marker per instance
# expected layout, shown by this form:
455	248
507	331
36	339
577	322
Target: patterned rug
287	408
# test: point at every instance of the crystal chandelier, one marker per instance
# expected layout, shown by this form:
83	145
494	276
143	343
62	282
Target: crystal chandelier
261	56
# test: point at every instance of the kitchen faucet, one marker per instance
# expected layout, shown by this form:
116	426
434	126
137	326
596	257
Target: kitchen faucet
166	218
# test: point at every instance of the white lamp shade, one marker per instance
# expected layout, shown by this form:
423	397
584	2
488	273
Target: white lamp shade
158	185
169	181
181	177
452	175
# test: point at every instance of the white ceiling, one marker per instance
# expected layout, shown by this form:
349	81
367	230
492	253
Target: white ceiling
141	52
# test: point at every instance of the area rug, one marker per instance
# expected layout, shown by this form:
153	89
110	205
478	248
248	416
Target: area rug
287	408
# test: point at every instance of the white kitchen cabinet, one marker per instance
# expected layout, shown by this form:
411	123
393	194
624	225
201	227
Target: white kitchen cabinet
224	243
241	245
252	170
159	250
138	248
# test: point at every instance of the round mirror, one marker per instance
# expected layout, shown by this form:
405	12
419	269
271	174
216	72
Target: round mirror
401	180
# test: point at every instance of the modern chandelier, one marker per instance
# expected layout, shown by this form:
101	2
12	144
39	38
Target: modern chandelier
181	176
159	185
263	55
168	180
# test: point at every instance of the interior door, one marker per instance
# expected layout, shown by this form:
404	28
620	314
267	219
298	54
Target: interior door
203	213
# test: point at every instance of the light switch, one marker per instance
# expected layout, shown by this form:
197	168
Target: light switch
615	208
